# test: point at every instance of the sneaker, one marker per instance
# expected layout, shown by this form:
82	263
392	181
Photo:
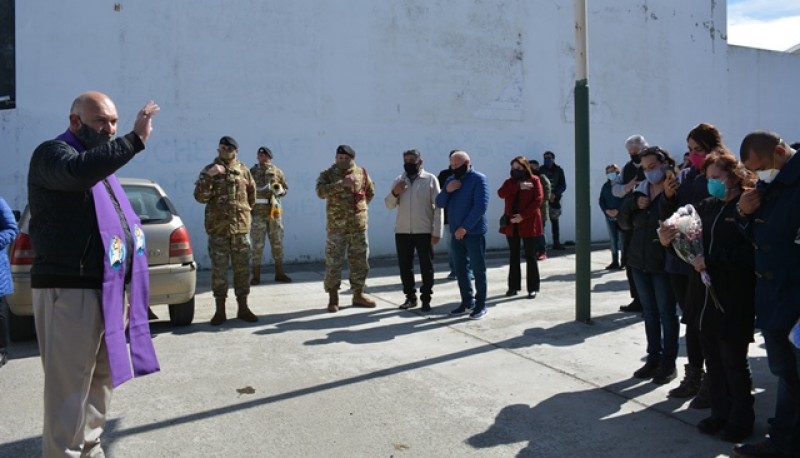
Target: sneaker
559	247
613	266
408	304
759	449
664	375
647	371
478	314
541	257
532	294
470	306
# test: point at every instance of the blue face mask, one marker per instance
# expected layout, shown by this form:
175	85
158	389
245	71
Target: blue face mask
611	176
548	162
716	188
654	176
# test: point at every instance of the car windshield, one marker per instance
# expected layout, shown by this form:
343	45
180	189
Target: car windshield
146	201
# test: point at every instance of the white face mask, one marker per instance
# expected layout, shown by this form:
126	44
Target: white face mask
767	175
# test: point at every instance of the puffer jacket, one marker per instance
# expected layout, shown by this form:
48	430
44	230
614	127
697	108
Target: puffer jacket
8	232
63	225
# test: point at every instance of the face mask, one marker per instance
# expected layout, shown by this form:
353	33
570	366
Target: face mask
612	176
411	169
460	171
654	176
518	174
767	175
636	159
91	138
716	188
227	156
697	159
344	165
548	162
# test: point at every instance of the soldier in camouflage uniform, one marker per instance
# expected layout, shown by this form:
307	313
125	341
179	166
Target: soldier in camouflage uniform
348	190
229	192
270	188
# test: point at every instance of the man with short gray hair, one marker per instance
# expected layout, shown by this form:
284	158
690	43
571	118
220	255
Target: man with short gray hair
632	174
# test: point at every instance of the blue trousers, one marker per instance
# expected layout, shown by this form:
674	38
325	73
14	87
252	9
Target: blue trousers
471	249
660	316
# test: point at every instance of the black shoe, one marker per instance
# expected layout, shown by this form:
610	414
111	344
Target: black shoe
633	307
763	449
512	292
426	307
613	266
647	371
559	247
408	304
532	295
664	375
711	425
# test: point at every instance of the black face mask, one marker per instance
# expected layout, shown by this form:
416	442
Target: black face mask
411	169
91	138
460	171
518	174
636	159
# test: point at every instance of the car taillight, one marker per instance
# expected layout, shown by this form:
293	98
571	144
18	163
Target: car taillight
22	252
179	243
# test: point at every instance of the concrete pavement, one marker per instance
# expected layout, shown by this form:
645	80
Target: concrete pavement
525	381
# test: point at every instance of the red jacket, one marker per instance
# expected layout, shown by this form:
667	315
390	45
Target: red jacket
529	206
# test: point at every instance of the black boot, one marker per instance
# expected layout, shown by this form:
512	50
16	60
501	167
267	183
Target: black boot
690	384
703	398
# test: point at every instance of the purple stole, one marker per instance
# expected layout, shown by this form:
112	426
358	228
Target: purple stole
142	355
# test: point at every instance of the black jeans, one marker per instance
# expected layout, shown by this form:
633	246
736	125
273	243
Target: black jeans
406	244
729	374
694	349
532	266
626	245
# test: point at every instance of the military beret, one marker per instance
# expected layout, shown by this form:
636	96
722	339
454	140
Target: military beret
345	149
266	151
228	141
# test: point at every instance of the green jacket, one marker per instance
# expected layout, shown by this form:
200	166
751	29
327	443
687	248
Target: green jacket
229	197
346	208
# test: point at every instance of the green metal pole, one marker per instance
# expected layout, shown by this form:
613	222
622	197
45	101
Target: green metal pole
583	215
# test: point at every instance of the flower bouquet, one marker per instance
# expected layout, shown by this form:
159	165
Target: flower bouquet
689	243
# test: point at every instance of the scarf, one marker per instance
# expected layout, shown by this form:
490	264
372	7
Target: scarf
141	359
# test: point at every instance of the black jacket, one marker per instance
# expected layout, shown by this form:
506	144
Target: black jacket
645	252
63	224
730	262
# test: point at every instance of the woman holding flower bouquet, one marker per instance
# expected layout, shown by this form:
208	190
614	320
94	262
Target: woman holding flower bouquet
726	311
640	215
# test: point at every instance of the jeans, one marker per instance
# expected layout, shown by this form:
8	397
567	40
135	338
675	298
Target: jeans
784	363
406	244
471	249
660	315
615	238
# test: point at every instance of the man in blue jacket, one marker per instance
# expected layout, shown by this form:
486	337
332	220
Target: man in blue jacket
773	208
466	197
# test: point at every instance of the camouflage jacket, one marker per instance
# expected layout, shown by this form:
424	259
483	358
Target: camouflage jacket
228	197
346	208
270	187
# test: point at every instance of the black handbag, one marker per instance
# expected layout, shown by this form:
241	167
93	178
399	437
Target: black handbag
504	221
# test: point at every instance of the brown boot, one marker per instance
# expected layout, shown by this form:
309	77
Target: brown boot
280	275
244	312
333	301
219	317
361	300
256	275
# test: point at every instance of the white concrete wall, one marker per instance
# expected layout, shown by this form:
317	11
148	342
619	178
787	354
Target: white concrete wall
492	77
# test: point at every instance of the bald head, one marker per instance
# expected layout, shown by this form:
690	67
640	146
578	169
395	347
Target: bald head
458	158
96	110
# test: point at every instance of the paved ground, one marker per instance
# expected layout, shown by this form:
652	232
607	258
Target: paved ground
526	381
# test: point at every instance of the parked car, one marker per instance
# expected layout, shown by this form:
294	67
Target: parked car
173	272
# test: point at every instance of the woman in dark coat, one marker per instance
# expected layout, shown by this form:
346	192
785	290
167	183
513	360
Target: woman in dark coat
523	196
640	215
725	331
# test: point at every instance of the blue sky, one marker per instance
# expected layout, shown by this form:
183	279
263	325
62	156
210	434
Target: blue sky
767	24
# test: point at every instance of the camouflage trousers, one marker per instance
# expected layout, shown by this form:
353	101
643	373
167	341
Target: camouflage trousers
230	250
262	227
356	246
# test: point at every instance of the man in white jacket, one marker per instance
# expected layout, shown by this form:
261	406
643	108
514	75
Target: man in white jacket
418	226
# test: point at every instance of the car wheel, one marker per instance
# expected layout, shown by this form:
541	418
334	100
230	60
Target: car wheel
182	314
20	328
